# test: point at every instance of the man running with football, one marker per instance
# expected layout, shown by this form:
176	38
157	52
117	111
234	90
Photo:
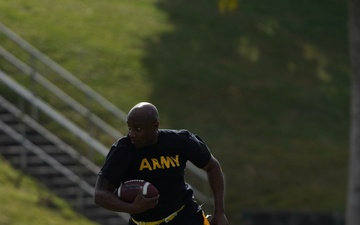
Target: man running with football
159	156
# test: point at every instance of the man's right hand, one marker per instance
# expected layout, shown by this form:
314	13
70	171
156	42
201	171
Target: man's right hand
142	203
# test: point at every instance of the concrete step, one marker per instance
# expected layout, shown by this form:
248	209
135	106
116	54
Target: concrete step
16	149
6	140
8	118
37	139
35	160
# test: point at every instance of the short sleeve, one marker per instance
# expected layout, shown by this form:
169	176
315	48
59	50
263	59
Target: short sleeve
199	153
116	163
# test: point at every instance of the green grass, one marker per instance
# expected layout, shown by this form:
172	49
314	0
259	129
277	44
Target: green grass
267	87
23	201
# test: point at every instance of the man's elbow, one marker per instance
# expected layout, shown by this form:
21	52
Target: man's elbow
97	197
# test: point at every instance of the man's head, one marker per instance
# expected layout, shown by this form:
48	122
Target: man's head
143	124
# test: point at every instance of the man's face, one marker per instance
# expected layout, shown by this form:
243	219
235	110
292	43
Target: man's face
142	133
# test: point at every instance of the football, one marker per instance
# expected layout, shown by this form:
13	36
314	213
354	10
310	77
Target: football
129	190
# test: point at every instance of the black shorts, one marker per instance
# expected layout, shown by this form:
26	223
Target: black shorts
192	214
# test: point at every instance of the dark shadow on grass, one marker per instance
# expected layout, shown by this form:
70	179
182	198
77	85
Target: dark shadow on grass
249	84
216	71
191	67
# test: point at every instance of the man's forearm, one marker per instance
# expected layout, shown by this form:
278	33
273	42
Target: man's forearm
217	184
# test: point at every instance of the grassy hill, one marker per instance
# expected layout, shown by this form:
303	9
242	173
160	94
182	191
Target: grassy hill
23	201
267	87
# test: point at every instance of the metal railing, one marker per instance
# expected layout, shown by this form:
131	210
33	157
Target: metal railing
52	113
40	153
63	73
85	112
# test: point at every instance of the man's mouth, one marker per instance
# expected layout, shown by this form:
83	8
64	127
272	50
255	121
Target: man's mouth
135	143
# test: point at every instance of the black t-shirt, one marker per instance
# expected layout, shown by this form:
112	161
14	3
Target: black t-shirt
162	164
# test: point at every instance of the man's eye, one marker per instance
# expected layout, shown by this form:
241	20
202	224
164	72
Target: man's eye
137	129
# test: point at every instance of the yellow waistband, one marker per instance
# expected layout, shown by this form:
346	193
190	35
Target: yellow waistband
165	220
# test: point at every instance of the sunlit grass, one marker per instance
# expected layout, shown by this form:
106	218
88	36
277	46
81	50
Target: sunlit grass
23	201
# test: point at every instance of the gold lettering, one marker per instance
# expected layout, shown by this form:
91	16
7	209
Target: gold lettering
156	164
165	162
170	160
176	160
145	165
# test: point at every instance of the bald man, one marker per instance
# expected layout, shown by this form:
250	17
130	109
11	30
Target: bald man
142	155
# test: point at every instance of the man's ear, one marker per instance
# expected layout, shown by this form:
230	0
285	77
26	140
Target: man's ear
156	124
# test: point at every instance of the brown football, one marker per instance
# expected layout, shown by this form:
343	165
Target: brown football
130	189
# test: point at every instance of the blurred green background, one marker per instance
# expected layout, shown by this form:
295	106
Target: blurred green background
266	86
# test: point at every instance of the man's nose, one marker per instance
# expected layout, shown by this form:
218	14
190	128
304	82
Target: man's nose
132	133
